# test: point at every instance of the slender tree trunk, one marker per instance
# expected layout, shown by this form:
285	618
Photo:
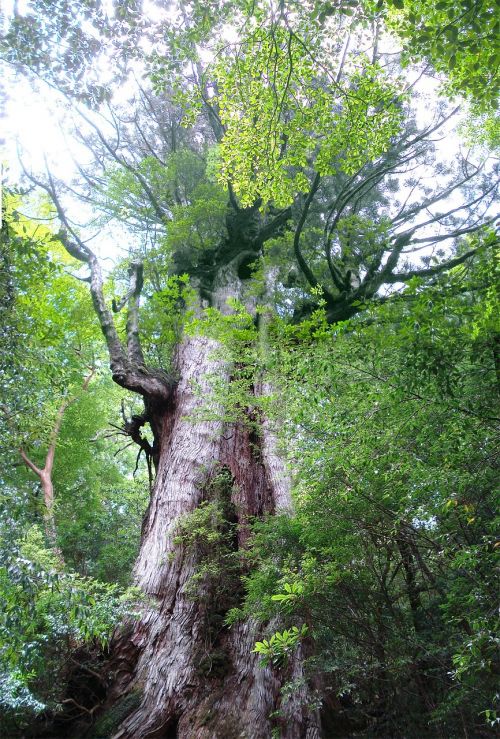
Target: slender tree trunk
45	476
192	676
45	473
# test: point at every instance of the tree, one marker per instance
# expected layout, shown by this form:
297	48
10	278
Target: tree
34	239
389	556
52	610
45	473
307	188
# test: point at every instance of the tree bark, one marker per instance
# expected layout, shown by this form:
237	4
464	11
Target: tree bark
179	671
197	678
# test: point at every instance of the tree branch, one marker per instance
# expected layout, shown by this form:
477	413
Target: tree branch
306	270
428	272
269	229
135	353
127	371
27	461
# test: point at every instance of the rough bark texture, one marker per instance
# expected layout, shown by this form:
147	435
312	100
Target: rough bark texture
179	670
195	677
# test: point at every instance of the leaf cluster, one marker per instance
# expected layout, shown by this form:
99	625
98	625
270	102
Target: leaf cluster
390	557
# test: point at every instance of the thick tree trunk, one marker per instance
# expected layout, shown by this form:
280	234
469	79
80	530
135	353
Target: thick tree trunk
191	676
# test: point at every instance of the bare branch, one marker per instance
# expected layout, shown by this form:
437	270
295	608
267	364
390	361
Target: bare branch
428	272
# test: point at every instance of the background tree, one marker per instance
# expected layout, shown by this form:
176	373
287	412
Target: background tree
53	611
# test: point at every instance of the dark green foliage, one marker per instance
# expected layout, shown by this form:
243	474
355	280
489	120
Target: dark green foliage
46	613
391	557
209	533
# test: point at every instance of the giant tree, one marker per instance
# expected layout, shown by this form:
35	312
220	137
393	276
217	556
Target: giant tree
328	200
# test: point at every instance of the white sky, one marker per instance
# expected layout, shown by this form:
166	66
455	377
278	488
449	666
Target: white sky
37	123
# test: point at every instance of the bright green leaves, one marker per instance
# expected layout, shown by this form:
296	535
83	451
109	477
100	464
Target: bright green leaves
283	114
371	115
50	341
280	646
48	327
292	592
163	318
460	39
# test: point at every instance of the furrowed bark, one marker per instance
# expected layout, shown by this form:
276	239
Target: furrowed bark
196	678
189	674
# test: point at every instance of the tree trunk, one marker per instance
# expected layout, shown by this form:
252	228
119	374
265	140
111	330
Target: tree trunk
179	670
45	473
192	676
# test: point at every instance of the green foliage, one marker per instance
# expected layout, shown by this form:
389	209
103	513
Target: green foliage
292	592
390	558
209	533
201	527
50	340
460	39
282	118
280	646
163	319
237	344
197	228
46	612
174	184
49	333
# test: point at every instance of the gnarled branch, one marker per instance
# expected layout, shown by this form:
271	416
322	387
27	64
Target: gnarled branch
127	365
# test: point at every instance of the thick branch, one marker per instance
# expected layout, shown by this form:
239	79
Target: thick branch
306	270
129	373
272	227
135	353
80	251
429	271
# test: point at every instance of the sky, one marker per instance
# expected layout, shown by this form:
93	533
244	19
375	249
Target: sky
37	126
